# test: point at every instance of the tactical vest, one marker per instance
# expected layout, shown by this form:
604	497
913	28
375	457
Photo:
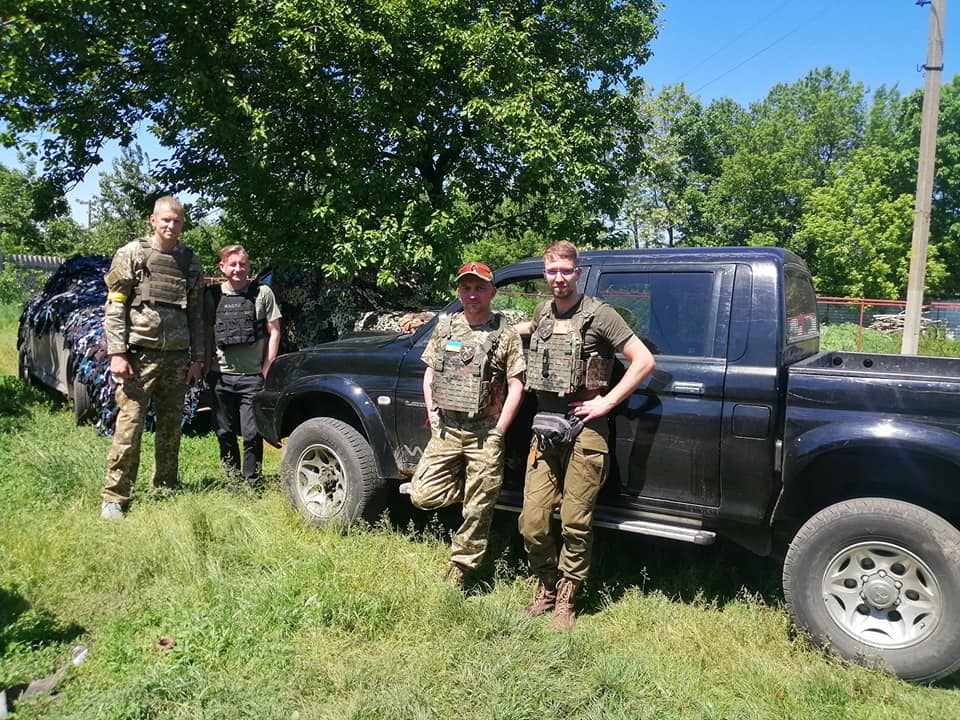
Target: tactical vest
164	276
236	319
557	363
462	379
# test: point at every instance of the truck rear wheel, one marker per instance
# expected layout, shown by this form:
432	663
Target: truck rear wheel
878	581
82	405
329	473
23	367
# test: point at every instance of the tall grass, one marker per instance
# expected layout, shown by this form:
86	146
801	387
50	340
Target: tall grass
273	620
845	336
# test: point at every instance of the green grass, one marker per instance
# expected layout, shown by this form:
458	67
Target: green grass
274	620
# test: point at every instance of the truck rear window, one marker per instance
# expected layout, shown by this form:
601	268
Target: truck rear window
802	323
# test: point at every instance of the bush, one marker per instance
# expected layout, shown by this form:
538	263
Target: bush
15	286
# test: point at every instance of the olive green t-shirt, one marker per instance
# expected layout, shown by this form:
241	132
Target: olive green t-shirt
243	359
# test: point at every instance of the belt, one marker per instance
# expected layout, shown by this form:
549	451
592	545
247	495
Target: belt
144	349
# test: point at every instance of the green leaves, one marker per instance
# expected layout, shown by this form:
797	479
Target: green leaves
814	167
340	133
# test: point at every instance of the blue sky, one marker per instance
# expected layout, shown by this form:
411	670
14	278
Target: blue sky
741	48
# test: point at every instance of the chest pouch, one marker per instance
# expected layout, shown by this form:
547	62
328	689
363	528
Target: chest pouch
597	373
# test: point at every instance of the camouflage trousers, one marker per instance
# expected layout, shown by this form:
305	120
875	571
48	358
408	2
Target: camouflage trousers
463	462
162	377
570	479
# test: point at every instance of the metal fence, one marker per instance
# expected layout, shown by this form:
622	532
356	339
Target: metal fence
863	312
32	262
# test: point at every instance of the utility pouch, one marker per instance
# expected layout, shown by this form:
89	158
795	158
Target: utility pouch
554	430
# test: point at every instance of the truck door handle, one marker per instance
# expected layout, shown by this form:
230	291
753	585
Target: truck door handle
687	388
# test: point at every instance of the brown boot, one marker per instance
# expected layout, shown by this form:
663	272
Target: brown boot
545	599
564	615
455	574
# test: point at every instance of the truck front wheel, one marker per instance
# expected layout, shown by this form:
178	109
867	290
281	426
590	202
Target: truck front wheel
878	581
329	474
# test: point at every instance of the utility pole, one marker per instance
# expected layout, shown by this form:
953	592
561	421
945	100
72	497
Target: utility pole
925	171
89	203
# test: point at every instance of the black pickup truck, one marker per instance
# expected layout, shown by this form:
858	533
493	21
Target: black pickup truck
846	464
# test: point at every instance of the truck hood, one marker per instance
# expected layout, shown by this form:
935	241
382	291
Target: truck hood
369	340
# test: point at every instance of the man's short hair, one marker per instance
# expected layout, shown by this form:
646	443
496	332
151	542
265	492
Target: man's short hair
562	249
232	250
168	201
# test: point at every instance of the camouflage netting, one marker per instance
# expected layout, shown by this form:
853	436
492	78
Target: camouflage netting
71	303
316	309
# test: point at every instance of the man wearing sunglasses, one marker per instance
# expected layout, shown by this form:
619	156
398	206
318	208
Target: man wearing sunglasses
573	343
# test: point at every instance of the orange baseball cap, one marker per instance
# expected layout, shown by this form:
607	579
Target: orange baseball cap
477	269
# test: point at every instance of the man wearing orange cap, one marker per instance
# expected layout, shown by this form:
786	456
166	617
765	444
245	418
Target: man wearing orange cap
472	388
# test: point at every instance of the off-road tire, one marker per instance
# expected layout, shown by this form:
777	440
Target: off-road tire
329	474
878	582
82	403
23	368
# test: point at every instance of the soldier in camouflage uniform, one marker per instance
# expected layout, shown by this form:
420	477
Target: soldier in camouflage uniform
472	388
153	322
573	342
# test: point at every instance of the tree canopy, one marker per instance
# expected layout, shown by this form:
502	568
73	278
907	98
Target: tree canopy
377	136
817	167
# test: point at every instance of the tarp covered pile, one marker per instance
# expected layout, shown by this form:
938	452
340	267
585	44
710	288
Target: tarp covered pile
317	309
71	302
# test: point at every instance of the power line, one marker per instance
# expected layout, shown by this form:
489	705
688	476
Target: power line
734	39
759	52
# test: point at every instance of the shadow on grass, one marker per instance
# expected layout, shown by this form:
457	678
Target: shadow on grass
16	401
716	574
23	626
24	629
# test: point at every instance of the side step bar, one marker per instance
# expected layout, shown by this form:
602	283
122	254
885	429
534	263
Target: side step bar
693	535
684	533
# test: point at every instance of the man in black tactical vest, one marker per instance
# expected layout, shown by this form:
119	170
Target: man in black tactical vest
153	323
573	342
243	338
472	388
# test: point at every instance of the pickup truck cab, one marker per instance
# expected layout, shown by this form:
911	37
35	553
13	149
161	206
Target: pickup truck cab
847	463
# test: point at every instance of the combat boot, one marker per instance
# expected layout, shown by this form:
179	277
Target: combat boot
456	575
564	615
545	599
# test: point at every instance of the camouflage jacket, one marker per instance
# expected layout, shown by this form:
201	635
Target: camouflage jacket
151	325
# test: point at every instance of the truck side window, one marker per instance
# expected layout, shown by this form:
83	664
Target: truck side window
517	299
672	313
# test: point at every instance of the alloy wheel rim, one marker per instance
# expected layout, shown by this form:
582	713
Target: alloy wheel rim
882	595
320	481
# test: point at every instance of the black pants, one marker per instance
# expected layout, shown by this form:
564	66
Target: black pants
233	401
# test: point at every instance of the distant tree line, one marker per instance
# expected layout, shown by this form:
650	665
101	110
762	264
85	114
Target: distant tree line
817	167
